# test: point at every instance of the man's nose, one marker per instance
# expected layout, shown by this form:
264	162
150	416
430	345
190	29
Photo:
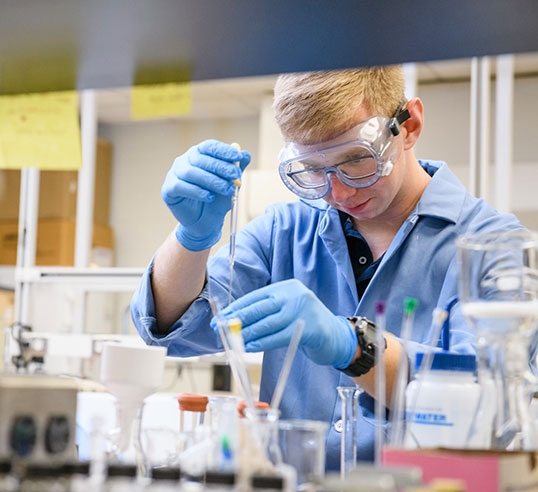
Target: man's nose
339	191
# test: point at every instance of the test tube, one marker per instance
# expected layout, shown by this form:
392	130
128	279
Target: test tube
348	443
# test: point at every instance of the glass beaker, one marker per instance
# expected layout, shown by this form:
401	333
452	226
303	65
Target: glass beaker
224	432
302	444
259	450
498	292
348	440
161	441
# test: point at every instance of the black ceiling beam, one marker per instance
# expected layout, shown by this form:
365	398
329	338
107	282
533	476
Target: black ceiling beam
66	44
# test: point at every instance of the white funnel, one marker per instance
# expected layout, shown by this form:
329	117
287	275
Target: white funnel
131	373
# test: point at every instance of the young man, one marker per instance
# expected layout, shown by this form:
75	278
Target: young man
373	224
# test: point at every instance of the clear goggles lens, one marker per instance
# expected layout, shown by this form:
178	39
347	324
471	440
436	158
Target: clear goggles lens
360	165
358	158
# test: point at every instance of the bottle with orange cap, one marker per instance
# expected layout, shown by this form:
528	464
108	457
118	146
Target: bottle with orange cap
192	408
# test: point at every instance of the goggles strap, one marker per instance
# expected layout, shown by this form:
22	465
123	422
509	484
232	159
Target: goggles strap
397	120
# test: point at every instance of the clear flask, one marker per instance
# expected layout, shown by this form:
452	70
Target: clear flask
498	293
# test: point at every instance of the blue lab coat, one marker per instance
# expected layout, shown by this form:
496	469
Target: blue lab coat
305	240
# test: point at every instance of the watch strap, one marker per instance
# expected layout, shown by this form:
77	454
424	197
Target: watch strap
366	333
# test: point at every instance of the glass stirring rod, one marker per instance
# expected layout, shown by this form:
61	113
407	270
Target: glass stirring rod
233	226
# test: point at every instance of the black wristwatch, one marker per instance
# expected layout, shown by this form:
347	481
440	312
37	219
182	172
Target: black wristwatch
366	337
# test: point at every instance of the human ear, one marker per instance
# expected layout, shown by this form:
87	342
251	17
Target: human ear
413	126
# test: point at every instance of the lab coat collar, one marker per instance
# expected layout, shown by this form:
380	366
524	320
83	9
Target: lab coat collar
444	196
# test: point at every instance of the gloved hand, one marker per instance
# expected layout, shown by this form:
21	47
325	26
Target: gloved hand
198	189
269	316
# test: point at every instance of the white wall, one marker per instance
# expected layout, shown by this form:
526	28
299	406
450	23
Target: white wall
446	137
142	155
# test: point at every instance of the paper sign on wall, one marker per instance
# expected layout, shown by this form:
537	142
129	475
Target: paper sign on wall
160	100
40	130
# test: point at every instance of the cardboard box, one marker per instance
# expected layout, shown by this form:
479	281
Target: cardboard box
58	191
55	243
7	316
491	471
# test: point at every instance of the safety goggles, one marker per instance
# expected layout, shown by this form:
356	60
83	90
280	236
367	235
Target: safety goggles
359	157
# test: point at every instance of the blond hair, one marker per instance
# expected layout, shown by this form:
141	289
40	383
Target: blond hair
315	106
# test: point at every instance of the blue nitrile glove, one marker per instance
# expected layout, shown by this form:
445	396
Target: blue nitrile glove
269	316
198	189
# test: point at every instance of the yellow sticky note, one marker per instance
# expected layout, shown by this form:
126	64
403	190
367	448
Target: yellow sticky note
2	159
160	100
40	130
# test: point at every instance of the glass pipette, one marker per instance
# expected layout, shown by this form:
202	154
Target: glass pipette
380	383
286	366
237	345
234	349
233	225
398	393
